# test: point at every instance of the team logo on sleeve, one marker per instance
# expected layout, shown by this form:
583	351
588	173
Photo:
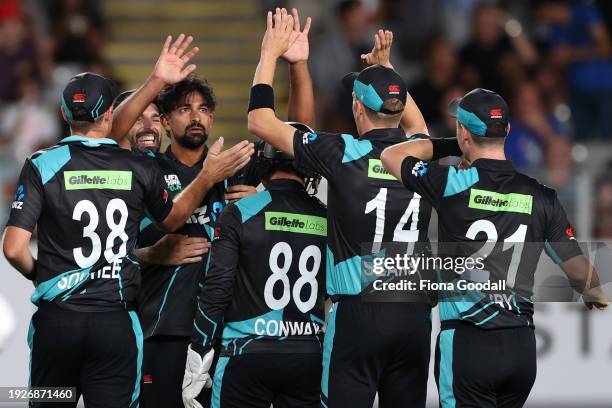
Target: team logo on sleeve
19	197
308	138
173	182
420	168
570	233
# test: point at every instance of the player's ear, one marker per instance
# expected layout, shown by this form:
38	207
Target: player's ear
164	121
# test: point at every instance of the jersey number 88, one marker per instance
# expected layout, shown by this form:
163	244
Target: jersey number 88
279	273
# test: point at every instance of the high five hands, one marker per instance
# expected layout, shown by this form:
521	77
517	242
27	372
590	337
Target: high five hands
299	49
281	35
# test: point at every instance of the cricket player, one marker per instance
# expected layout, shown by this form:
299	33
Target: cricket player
86	197
369	347
509	218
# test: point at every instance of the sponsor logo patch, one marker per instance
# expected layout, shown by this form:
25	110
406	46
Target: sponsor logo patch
496	113
296	223
308	138
173	182
79	97
420	168
377	170
98	180
19	197
394	89
492	201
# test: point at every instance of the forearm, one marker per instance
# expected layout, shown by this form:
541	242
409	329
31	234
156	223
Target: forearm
16	248
129	110
412	121
301	95
580	273
526	51
393	157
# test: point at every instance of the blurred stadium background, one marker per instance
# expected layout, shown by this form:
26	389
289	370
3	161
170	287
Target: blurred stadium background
552	61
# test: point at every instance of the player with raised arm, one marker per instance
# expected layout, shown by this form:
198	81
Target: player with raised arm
86	197
170	280
490	202
369	346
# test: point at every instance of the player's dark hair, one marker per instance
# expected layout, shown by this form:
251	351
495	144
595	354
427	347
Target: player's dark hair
170	97
82	126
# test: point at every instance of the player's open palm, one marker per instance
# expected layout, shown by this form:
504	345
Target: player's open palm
224	164
171	66
279	33
381	53
299	49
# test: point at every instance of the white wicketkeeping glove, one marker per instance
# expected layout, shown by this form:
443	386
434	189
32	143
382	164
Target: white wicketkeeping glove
196	376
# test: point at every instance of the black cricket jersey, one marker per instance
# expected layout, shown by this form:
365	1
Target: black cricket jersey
87	197
491	211
265	288
367	206
167	299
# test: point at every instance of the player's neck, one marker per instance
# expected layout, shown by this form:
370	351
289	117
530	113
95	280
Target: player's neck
491	154
188	157
93	134
285	175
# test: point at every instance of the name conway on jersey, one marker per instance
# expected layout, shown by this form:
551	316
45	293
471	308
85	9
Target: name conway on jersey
87	195
507	218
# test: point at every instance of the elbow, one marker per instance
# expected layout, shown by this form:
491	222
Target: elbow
385	157
11	252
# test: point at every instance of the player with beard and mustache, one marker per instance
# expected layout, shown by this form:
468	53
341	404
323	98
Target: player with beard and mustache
146	133
171	271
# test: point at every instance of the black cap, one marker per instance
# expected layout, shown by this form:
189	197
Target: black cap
375	85
87	96
122	97
482	112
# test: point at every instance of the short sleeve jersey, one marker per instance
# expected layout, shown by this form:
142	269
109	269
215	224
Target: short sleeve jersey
504	216
87	197
367	206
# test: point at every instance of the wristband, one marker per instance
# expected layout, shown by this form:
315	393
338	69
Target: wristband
445	147
262	96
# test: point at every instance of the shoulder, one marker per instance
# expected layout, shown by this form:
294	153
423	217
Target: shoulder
251	205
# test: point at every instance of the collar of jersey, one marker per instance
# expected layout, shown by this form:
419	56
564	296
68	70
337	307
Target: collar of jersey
284	184
198	164
495	165
388	135
88	141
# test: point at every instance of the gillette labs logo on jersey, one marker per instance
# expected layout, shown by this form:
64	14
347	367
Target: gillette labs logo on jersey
492	201
377	170
297	223
98	180
173	182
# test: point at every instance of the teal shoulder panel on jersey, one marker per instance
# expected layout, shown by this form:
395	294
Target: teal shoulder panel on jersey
460	180
254	326
89	141
50	162
144	223
355	149
251	205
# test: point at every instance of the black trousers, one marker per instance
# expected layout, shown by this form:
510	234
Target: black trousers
163	369
261	380
478	368
376	347
99	353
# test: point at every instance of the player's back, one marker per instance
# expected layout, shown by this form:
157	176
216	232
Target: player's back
279	290
367	206
492	212
87	197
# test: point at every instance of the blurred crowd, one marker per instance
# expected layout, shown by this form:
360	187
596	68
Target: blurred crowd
42	45
550	59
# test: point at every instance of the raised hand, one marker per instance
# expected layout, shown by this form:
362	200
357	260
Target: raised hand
299	49
171	66
279	34
221	165
381	53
